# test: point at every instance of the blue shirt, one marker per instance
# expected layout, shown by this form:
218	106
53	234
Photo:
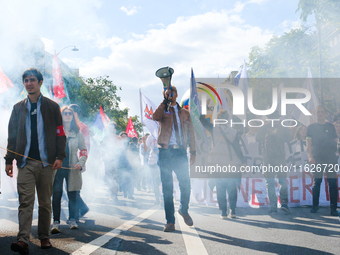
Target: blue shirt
41	134
173	132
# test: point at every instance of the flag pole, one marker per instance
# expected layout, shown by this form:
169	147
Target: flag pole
141	109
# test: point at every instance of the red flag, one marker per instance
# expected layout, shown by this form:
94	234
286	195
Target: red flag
58	83
130	130
5	82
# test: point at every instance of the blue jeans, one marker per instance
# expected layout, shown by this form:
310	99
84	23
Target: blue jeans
58	192
223	186
174	160
82	208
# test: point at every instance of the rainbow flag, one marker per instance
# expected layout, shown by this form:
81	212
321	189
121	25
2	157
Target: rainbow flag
100	124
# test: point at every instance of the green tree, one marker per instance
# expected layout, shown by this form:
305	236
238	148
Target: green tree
91	93
324	10
288	55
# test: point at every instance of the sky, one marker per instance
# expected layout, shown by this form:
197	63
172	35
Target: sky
130	40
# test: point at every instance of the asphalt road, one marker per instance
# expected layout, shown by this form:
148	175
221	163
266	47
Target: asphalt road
135	227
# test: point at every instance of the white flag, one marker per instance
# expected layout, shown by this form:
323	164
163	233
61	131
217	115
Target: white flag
148	109
311	105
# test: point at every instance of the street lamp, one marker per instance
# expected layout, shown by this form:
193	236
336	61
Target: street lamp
73	49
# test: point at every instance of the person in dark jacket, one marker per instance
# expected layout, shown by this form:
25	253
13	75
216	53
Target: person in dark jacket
321	140
274	136
225	150
36	135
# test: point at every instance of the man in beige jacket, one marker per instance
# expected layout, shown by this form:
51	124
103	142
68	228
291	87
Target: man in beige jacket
176	134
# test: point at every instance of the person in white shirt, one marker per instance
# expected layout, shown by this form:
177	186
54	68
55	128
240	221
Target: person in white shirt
150	144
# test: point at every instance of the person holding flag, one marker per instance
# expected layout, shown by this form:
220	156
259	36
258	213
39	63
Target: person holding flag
176	134
109	156
125	170
226	150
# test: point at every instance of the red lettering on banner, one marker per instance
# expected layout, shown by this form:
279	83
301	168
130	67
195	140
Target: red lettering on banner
306	187
60	131
326	187
254	191
245	194
291	178
204	193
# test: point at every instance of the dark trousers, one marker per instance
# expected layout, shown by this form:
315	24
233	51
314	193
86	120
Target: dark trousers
270	184
174	160
222	186
332	185
58	192
125	180
82	208
333	192
125	172
111	178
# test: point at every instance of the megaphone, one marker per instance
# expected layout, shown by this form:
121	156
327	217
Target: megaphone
165	74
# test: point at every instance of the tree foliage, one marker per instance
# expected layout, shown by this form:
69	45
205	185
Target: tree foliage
288	55
91	93
324	10
291	54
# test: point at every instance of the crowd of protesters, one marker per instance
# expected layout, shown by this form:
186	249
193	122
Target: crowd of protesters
313	145
51	145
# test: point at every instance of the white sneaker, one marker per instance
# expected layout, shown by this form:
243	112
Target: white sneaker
73	224
55	228
224	217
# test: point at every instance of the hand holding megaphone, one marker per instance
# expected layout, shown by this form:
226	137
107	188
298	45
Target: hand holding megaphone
168	94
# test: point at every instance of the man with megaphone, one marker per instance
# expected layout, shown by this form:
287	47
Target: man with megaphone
176	134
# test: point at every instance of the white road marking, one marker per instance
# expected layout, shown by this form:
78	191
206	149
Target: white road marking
192	241
9	208
13	199
100	241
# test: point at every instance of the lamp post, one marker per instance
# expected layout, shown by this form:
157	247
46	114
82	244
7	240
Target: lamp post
73	49
318	25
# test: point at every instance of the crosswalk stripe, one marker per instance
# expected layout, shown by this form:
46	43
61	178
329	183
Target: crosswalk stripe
100	241
192	241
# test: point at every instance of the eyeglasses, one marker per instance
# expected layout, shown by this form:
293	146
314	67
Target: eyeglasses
68	113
